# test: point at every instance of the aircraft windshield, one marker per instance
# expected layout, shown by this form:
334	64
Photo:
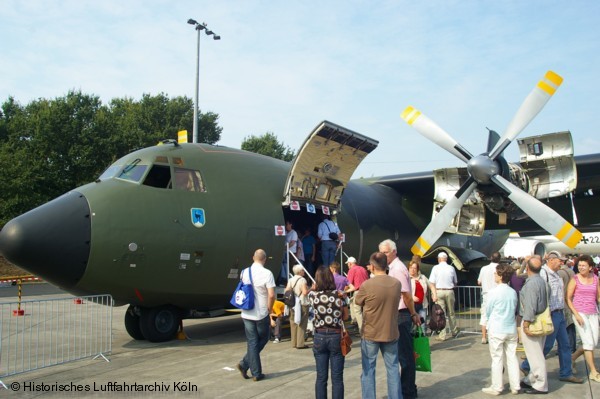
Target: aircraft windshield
110	172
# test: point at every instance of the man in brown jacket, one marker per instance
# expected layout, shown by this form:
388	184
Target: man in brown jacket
380	298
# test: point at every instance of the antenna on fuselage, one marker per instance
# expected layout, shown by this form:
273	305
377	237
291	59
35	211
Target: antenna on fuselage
169	141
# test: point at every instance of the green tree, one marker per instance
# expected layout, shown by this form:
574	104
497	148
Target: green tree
49	147
268	144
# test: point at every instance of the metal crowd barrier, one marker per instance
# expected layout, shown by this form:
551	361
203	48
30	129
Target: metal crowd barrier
467	307
40	333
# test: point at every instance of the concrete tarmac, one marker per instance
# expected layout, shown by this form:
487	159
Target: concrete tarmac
203	365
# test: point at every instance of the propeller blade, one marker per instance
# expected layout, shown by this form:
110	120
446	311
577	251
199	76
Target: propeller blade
543	215
442	220
493	139
433	132
533	104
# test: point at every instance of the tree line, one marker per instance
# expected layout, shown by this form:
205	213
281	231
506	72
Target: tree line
51	146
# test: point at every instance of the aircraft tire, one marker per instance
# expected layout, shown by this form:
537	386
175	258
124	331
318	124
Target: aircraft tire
159	324
132	324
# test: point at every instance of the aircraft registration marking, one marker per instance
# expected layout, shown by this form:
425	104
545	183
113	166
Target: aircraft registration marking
590	240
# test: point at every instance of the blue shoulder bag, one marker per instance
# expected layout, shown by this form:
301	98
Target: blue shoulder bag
243	296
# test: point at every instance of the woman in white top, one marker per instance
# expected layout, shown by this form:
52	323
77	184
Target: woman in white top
417	278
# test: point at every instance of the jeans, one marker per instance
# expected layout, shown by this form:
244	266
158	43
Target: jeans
257	335
308	265
328	248
283	273
572	337
406	356
389	351
327	351
564	347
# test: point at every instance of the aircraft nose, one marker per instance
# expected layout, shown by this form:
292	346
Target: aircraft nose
51	241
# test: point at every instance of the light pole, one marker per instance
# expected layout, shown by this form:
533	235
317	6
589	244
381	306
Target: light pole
199	27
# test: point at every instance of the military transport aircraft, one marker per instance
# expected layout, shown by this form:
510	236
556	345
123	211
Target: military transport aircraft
167	229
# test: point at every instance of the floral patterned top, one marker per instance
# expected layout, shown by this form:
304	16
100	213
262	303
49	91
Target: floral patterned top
328	308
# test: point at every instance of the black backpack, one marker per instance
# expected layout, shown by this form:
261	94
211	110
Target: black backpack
437	320
289	298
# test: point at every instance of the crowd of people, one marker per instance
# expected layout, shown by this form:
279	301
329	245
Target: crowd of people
518	295
387	299
383	308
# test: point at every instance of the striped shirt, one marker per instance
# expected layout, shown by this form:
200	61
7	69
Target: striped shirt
557	288
584	297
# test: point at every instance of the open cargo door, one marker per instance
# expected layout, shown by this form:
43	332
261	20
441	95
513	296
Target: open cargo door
326	161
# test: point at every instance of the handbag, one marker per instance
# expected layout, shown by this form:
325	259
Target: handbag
542	325
422	351
437	320
243	295
345	341
289	297
332	235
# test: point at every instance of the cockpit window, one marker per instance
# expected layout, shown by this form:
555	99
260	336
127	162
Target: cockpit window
133	171
188	180
159	176
110	172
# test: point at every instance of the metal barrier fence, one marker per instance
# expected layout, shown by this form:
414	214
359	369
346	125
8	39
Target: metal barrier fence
54	331
467	308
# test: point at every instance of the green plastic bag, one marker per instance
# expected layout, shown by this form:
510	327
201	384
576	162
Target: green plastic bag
422	351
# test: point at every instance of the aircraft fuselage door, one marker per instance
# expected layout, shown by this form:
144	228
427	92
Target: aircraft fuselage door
324	165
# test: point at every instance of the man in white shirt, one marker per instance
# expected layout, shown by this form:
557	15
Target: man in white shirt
291	240
256	320
487	281
443	280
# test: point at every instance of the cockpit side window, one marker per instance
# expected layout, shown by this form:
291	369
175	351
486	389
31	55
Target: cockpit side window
188	180
133	171
159	176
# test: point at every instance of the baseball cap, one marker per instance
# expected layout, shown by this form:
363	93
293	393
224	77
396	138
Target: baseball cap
351	259
556	254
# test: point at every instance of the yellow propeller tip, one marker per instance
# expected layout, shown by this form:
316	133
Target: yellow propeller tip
410	114
554	78
407	111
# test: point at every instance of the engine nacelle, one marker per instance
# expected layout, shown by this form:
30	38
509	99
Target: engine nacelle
546	170
521	247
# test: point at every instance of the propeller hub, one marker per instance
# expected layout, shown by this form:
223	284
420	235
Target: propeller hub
482	168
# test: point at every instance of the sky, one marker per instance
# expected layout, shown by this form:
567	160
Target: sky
284	66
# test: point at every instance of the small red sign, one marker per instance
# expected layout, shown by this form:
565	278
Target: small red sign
295	206
279	230
325	210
